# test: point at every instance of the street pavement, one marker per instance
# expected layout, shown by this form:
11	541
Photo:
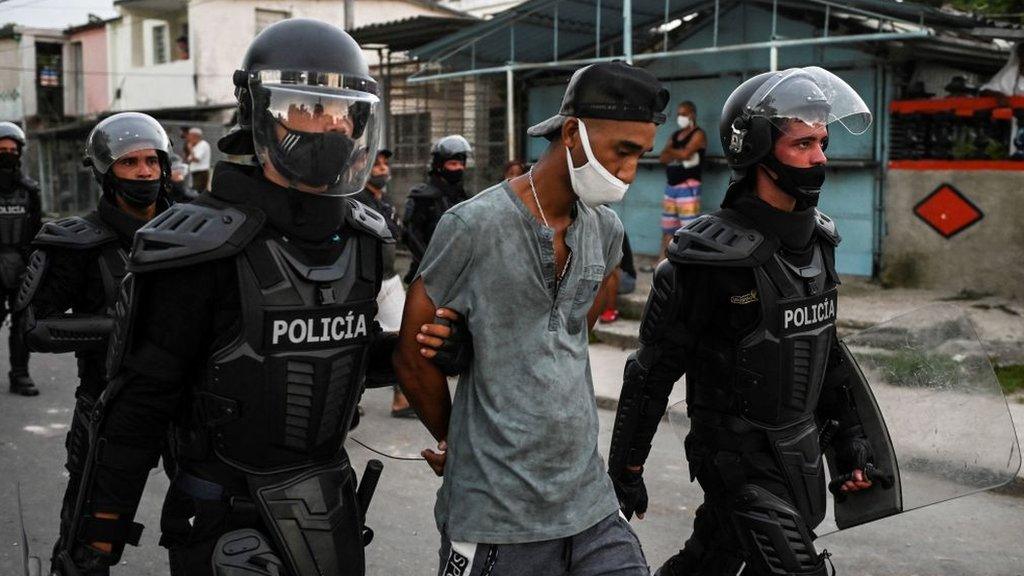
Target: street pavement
976	535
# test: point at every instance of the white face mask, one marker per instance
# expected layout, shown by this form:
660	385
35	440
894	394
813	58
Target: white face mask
683	121
592	182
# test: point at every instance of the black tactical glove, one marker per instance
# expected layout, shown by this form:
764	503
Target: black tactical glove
455	354
631	492
853	450
83	561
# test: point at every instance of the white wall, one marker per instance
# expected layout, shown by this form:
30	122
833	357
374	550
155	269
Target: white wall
11	90
142	84
217	48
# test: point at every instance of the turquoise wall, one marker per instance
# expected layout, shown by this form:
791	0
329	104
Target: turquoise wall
850	192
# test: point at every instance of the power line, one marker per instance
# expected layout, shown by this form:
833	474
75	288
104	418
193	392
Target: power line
134	74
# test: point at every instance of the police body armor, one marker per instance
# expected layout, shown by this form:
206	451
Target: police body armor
276	402
768	382
86	336
15	212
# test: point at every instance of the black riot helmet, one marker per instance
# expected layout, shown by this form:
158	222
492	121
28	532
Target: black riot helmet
305	93
121	134
765	107
453	147
14	132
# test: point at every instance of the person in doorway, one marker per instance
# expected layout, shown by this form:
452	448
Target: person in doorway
683	157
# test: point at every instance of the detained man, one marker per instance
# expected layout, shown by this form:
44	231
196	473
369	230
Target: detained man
522	262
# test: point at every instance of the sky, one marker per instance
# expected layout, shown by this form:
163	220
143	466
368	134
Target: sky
53	13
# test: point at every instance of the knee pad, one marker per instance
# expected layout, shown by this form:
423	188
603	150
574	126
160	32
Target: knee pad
776	539
245	552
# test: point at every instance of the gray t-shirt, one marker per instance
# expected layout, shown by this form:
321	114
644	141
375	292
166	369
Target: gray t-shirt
523	462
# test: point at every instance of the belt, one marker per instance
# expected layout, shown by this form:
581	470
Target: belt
199	488
208	490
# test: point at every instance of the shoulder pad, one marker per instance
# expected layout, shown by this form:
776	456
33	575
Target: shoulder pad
362	217
29	183
424	190
717	240
76	233
827	228
187	234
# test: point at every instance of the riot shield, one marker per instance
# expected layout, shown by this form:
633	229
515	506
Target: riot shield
933	409
32	565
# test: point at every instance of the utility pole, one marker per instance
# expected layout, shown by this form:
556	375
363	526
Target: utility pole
350	15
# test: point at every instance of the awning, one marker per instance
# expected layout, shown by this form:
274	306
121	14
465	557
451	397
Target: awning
409	33
553	33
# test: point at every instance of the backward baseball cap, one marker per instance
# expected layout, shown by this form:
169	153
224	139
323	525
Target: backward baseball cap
608	90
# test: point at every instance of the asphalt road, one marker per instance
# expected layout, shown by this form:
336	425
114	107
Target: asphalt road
979	535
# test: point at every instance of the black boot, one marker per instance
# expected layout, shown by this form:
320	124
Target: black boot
22	384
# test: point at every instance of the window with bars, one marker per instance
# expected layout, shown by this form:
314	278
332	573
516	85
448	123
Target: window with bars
160	44
411	137
265	18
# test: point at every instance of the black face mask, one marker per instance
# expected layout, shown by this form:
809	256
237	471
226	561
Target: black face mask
379	181
453	177
10	165
313	158
138	193
803	184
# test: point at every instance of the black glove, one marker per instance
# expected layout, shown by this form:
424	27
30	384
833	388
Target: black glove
456	353
84	561
631	492
853	450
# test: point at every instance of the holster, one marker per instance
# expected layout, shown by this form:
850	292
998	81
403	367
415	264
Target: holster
314	519
799	456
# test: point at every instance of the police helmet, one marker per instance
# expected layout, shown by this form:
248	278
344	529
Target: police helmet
305	93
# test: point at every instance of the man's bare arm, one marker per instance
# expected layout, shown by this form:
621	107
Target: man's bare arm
698	142
423	384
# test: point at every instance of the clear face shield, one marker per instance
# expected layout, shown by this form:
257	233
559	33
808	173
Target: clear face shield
812	96
316	129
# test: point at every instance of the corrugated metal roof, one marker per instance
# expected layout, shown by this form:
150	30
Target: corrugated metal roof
412	32
526	33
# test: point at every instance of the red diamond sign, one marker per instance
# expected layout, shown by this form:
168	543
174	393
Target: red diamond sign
947	211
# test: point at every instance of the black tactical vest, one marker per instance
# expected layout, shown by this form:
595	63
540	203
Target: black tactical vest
772	375
15	211
284	392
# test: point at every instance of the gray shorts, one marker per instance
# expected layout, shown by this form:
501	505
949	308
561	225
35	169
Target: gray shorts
608	548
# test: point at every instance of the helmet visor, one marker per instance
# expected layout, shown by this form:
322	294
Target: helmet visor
316	135
813	96
122	134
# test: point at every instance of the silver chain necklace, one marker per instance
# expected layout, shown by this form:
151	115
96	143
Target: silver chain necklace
533	189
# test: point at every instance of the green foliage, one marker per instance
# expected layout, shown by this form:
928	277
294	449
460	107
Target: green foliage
995	8
1011	377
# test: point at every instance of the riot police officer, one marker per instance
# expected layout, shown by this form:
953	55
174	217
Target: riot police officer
79	263
428	200
20	219
745	306
246	325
